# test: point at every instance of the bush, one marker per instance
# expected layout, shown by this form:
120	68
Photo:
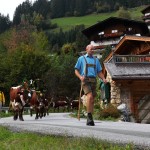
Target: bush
109	111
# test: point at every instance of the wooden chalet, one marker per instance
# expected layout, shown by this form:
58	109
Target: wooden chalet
146	15
111	31
128	71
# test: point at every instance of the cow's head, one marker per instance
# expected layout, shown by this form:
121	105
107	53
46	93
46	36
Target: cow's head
26	95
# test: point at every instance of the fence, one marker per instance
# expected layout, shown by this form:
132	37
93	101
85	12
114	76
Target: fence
6	109
131	58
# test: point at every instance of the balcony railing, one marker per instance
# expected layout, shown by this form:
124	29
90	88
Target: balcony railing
131	58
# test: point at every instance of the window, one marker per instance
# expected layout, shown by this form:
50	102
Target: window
114	31
101	33
129	29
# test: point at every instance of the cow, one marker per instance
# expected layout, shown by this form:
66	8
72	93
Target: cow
60	104
74	104
37	103
18	98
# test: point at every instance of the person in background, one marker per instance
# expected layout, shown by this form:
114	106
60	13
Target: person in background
87	69
2	100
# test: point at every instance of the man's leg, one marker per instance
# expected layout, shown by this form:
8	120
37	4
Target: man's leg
90	107
90	103
88	89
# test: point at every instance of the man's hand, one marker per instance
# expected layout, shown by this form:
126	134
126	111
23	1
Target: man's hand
82	78
105	81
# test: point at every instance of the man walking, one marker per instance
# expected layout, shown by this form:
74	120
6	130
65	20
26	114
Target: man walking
87	69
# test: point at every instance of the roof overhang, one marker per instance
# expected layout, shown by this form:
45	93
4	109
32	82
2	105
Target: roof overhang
128	71
129	43
145	9
100	26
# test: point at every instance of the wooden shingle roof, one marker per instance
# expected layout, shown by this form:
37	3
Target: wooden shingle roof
128	71
100	26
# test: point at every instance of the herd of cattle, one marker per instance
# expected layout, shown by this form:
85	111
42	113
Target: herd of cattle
38	102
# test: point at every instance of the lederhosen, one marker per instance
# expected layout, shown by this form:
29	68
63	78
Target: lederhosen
89	81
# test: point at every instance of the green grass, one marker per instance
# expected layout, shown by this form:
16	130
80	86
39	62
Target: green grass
29	141
67	23
3	114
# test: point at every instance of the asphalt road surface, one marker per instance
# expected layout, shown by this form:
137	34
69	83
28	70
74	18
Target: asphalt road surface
63	124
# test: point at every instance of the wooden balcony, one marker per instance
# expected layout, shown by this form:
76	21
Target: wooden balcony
112	35
131	59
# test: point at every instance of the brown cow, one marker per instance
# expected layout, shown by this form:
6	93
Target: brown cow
37	104
60	104
18	98
74	104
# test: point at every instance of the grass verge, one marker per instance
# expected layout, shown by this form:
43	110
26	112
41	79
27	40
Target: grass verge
30	141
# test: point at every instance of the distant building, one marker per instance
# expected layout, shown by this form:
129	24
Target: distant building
110	31
146	15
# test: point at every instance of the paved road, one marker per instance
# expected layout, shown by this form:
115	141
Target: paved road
63	124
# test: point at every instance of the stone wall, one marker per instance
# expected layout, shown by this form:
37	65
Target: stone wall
115	91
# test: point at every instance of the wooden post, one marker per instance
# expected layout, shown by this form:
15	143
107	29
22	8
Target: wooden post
79	107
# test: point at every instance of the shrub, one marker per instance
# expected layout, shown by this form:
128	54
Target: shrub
109	111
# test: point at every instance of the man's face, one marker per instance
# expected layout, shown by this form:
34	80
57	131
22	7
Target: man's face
90	49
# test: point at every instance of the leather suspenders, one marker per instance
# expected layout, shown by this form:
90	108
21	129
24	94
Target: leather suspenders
89	65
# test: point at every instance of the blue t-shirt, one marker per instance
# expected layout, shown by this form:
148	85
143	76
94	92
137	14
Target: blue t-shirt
81	66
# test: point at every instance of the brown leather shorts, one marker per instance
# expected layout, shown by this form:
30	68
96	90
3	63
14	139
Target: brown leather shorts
89	85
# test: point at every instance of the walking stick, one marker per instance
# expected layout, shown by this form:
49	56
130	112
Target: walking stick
79	103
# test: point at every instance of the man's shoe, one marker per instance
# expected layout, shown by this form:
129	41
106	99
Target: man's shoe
90	121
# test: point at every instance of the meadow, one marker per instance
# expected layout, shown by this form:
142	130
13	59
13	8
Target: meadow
67	23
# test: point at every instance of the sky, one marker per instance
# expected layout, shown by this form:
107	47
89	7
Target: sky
9	7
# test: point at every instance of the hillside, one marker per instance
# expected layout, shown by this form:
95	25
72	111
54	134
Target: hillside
67	23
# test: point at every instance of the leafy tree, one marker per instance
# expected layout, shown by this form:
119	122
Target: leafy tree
40	41
81	40
22	64
122	13
107	51
60	78
21	35
66	48
25	36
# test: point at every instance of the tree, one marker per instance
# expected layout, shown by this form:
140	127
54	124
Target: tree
67	48
23	9
107	51
57	8
5	23
122	13
60	79
40	41
18	36
42	7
